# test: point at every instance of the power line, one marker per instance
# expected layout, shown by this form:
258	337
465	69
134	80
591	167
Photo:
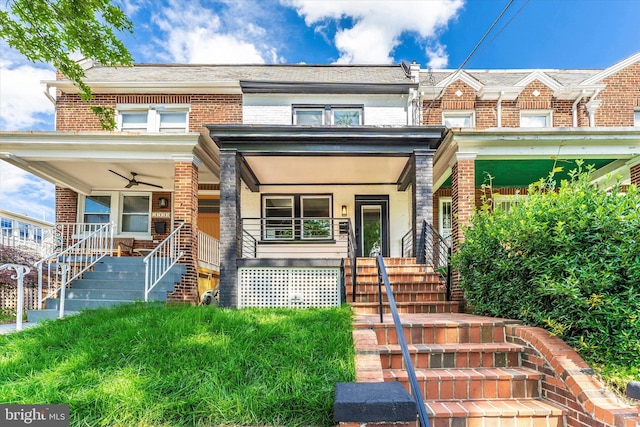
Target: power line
495	22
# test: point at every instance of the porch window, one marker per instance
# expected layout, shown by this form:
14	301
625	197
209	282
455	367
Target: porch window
446	218
97	209
316	208
335	115
278	211
133	121
458	119
173	122
505	202
535	119
135	214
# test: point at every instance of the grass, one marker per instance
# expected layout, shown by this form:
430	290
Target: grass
176	365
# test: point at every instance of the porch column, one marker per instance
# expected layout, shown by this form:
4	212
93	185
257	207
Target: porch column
185	209
66	212
422	209
230	226
463	205
634	171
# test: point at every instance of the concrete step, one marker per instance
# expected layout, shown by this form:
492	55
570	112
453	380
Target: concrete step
167	283
36	316
497	412
114	294
449	356
84	304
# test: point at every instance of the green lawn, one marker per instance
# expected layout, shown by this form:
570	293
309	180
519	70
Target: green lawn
176	365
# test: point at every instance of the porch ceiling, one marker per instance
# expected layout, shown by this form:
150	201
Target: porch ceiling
82	160
281	170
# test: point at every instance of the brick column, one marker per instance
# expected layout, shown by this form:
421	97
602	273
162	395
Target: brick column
230	226
66	212
185	210
422	209
462	206
635	174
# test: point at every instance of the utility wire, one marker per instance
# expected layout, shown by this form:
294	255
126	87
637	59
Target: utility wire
474	50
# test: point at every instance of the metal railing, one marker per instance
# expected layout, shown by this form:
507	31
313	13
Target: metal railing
407	244
353	256
36	240
161	259
87	244
297	238
437	252
208	249
383	278
21	271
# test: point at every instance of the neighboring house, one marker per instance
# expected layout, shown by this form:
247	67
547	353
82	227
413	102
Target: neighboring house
26	233
296	167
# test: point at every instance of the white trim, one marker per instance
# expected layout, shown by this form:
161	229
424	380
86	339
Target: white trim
464	77
441	202
460	113
543	78
613	69
548	114
135	234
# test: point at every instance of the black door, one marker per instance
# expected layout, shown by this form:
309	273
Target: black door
372	225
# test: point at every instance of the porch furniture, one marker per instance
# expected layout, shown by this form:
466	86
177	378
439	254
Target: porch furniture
123	245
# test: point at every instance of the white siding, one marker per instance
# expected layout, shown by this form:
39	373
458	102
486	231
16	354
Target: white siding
389	110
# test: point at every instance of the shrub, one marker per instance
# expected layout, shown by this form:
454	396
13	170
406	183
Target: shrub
567	259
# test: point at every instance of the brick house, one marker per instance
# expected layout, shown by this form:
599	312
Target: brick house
294	168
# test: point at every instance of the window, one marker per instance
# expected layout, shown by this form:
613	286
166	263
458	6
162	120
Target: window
535	119
97	209
636	118
505	202
336	115
141	118
135	214
458	119
446	218
297	217
316	208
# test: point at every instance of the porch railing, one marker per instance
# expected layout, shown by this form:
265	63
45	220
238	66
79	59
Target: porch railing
407	244
21	271
208	249
85	244
437	253
383	279
297	238
161	259
36	240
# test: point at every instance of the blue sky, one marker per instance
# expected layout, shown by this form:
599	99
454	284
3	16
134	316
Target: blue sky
440	34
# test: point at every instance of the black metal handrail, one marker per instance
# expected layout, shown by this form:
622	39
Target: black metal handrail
353	256
413	380
407	244
249	245
437	253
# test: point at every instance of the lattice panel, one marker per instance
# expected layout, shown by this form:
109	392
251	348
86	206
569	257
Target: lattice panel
9	298
289	287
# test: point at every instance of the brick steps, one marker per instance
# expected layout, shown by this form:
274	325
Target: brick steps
494	413
448	356
403	296
407	307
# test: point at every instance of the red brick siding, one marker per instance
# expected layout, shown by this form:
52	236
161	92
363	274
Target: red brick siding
66	205
486	114
76	115
619	98
635	175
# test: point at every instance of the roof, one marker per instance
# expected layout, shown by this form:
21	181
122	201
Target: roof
510	77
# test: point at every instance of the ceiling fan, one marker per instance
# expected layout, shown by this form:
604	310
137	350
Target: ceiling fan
133	181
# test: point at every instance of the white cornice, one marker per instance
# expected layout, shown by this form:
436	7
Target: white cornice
179	87
493	93
613	69
461	75
543	78
572	93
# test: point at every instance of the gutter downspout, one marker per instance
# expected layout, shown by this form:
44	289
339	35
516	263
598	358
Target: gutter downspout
574	108
499	108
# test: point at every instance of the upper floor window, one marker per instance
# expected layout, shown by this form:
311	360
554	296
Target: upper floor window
325	115
145	118
636	118
535	119
458	119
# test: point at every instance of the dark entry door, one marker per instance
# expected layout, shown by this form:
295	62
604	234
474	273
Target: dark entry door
372	225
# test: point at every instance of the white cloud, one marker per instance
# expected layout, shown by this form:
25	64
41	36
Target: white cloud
24	193
23	104
378	25
195	34
438	58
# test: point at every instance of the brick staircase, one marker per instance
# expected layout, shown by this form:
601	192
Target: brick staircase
113	281
469	375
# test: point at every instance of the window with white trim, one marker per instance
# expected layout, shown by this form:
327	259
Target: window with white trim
297	217
321	115
504	202
135	214
153	118
458	119
445	218
636	118
535	119
97	209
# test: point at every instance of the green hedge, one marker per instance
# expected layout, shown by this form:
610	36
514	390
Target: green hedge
566	259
